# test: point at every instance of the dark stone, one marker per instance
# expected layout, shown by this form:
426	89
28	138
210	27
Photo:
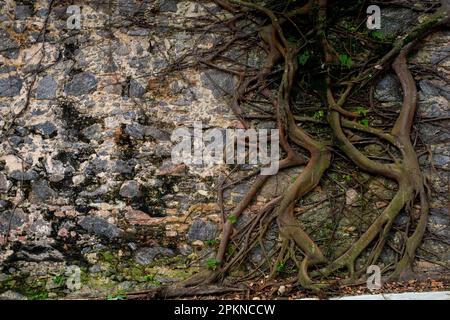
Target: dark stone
433	88
202	230
96	166
168	5
139	63
145	256
136	89
130	189
127	7
7	69
388	89
219	82
39	253
42	191
157	134
24	176
100	227
10	86
81	83
4	184
15	140
23	12
46	88
4	205
20	27
135	130
11	220
93	132
46	129
395	21
8	47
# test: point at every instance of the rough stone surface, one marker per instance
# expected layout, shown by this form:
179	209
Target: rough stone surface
146	256
11	295
8	46
86	177
82	83
46	88
100	227
201	230
10	86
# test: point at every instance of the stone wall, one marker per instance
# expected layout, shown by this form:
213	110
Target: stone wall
87	188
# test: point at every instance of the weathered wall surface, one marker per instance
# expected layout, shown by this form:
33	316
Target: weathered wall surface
87	188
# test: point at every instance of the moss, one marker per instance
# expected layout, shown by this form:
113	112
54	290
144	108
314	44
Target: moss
108	256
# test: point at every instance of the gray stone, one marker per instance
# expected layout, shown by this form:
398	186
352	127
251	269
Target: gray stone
4	205
96	268
127	7
96	166
140	32
11	295
157	134
20	26
130	189
42	191
139	63
121	166
93	132
81	83
395	21
10	86
11	220
8	47
388	89
41	228
145	256
23	12
136	89
7	69
4	183
39	252
46	88
46	129
100	227
23	176
168	5
202	230
135	130
219	82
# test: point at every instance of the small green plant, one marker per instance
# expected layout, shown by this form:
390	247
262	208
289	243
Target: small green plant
362	111
119	295
346	61
58	280
304	57
364	122
232	219
281	267
212	264
377	35
319	115
347	177
212	242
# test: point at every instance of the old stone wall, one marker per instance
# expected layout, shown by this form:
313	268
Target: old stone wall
90	202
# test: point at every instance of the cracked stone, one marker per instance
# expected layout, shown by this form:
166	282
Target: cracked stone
100	227
10	86
82	83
